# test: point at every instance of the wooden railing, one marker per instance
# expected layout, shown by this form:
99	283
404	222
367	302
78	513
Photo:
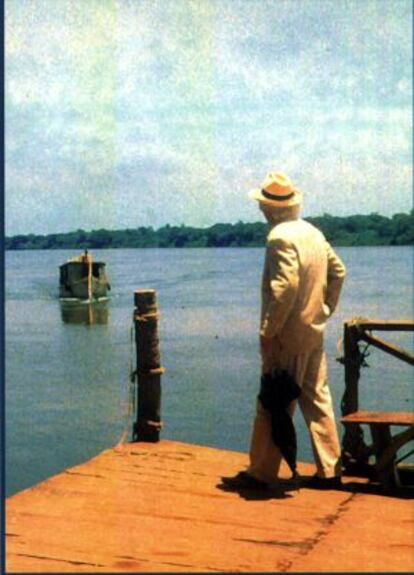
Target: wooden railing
355	453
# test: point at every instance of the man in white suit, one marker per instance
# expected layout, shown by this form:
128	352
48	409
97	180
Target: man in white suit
301	283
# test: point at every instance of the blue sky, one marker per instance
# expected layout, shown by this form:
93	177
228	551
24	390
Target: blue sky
127	113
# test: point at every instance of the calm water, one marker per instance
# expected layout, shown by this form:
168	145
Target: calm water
67	381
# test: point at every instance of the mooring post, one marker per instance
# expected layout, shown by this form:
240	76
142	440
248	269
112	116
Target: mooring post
148	417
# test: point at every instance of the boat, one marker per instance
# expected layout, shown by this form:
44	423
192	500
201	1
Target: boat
82	279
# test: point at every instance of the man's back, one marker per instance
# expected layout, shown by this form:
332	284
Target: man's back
302	279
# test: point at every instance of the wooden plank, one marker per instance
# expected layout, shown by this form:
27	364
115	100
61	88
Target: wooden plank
385	325
370	529
392	349
160	508
400	418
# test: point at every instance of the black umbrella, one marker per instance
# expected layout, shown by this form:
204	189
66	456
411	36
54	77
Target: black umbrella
277	390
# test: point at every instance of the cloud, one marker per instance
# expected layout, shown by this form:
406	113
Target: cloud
171	111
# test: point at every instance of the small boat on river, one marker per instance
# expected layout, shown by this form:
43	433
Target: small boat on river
82	279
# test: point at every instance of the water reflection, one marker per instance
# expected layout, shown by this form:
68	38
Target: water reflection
86	313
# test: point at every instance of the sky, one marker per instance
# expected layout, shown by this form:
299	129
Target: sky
129	113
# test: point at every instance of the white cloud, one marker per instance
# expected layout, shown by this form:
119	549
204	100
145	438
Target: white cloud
196	101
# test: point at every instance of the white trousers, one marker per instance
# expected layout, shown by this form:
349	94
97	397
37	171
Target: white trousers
310	373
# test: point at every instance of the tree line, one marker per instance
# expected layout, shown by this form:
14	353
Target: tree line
357	230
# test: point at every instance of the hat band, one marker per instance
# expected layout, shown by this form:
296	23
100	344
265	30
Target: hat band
277	198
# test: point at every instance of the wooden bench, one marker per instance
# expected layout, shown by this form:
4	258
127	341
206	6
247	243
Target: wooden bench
385	445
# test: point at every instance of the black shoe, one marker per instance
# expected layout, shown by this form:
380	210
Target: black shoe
317	482
244	481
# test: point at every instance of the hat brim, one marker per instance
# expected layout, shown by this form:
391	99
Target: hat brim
257	195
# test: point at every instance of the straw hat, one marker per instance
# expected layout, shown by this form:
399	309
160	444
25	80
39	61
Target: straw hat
277	191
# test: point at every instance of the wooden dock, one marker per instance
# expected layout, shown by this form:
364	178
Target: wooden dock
159	507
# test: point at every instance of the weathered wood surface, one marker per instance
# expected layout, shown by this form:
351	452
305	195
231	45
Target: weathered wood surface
380	417
157	507
389	348
384	325
148	417
355	453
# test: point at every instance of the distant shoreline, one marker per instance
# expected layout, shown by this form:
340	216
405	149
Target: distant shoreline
357	230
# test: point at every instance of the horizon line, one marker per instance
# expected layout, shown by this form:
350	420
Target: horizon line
324	215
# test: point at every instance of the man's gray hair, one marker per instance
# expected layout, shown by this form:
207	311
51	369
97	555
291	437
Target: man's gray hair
281	214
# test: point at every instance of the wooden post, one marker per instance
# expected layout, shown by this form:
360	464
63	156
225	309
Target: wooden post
355	452
148	421
90	280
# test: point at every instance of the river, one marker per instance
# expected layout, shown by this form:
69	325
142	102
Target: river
67	372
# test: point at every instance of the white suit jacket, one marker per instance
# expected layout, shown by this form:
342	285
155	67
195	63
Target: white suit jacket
302	280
